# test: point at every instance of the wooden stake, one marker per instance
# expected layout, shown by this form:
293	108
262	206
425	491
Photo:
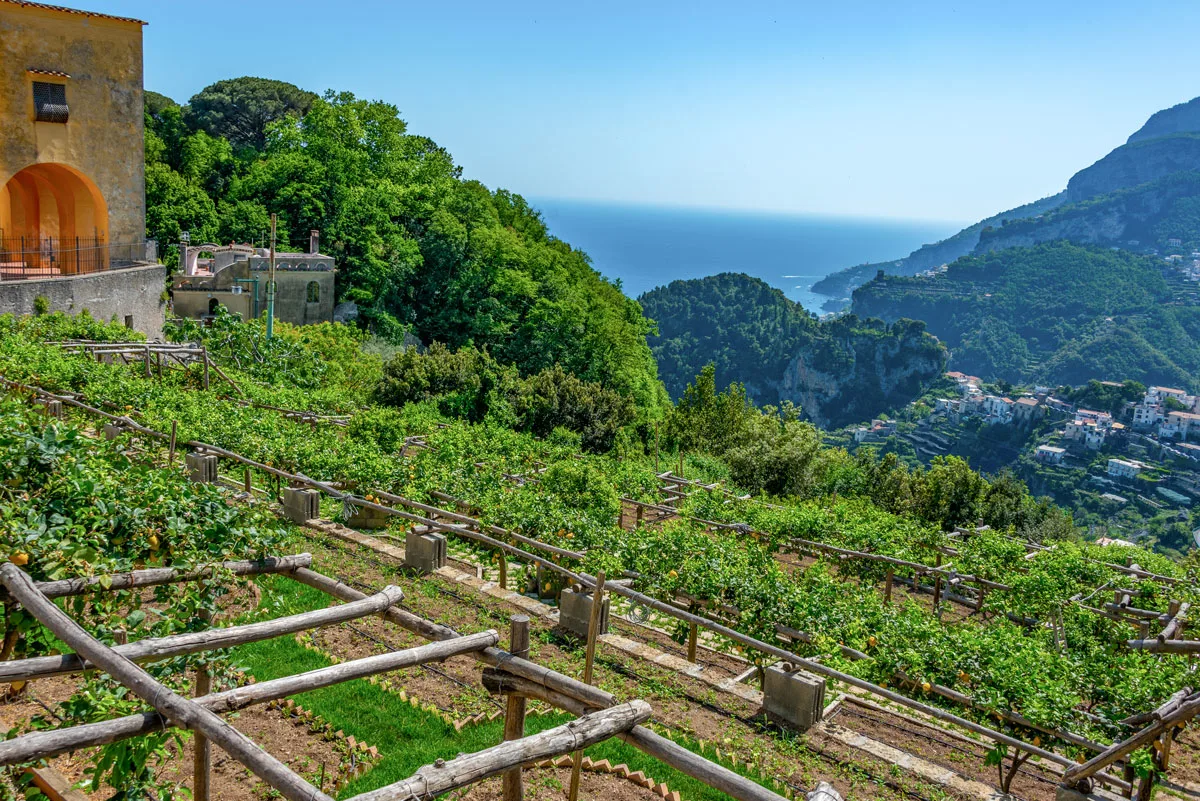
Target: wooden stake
589	661
514	713
203	764
693	634
681	463
887	587
205	351
179	710
246	484
171	450
503	571
656	470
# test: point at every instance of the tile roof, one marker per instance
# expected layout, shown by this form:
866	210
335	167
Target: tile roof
53	73
64	9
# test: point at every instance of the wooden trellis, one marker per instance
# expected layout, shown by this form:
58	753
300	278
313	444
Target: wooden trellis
499	539
599	715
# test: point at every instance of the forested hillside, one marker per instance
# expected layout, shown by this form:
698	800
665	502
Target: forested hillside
836	372
1055	313
418	246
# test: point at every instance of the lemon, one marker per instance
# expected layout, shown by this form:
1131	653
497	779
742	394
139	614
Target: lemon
19	559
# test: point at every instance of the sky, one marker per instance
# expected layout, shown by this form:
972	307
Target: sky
908	110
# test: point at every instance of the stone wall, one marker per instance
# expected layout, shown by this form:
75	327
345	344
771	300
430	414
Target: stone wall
133	296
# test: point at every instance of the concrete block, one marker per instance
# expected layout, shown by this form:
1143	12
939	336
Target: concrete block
368	518
796	698
301	505
50	408
575	612
202	468
425	552
112	431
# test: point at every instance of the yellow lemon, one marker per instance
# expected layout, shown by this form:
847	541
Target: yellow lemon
19	559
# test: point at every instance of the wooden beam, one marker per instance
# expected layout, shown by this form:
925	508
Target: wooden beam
444	776
156	648
645	740
51	743
540	675
514	713
168	575
175	708
1184	711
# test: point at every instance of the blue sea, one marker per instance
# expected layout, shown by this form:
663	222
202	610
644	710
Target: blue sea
650	246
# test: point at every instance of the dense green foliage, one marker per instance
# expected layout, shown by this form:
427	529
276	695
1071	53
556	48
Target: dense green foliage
1055	313
472	385
861	503
72	505
837	371
418	247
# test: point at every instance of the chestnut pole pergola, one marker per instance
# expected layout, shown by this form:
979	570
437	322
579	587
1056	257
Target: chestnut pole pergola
465	526
599	715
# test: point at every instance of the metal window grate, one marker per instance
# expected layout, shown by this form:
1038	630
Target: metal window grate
50	102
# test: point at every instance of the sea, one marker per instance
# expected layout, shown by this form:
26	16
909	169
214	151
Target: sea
649	246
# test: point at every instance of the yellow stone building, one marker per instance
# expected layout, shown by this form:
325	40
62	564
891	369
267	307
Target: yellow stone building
72	172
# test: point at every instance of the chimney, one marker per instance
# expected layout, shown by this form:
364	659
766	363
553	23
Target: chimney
314	241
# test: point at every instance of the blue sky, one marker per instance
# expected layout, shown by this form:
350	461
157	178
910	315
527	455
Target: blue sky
909	110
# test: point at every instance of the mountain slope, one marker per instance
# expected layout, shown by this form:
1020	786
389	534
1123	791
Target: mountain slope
837	372
1166	146
1055	313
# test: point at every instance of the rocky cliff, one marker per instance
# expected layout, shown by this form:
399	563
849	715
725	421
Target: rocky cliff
1133	164
838	372
861	374
1119	198
1180	118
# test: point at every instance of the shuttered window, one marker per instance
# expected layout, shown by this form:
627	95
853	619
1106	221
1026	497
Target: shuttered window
50	102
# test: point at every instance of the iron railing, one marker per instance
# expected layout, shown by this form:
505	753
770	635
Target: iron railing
48	257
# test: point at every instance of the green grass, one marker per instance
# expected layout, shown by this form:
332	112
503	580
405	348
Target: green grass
408	737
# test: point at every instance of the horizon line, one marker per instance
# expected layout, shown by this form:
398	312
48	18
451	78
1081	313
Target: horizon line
535	200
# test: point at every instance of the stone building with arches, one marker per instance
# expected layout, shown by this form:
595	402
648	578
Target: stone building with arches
235	277
72	167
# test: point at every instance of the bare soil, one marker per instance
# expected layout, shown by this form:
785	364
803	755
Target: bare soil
1032	782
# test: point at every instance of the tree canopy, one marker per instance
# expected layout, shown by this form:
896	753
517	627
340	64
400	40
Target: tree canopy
418	247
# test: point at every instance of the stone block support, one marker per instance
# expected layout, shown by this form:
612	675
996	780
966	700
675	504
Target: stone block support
202	468
301	505
794	697
50	408
426	551
112	431
575	612
367	518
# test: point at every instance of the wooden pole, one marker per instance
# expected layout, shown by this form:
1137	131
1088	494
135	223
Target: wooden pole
171	448
159	359
203	765
172	706
503	571
156	648
444	776
246	484
155	576
52	742
670	753
693	635
655	446
588	663
204	350
887	587
514	713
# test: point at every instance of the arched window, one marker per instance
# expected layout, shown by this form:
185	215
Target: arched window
213	305
313	292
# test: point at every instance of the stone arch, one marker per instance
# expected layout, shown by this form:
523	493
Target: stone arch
55	218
